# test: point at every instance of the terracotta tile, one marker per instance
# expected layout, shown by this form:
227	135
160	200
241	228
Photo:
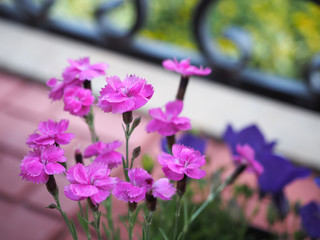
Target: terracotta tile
10	181
17	222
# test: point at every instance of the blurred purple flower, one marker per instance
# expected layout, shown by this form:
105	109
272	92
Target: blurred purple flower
278	171
310	219
105	153
189	140
245	155
317	181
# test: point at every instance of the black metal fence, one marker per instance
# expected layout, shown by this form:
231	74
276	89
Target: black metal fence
235	73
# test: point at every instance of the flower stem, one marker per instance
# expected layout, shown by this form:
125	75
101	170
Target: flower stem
213	194
97	224
64	215
177	215
182	87
148	224
170	141
130	224
108	205
90	122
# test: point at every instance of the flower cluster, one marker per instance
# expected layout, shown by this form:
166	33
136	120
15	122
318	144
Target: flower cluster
141	183
47	157
124	96
185	68
72	89
92	182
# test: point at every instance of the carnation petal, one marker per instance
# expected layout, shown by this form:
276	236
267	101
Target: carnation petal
83	190
53	168
195	173
171	174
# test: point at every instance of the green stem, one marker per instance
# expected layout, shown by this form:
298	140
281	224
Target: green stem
177	215
96	215
148	224
130	224
90	122
85	216
108	205
127	136
63	214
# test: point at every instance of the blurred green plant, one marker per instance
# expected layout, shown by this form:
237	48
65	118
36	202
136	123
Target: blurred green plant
286	33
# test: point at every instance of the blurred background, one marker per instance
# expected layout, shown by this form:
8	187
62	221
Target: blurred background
265	56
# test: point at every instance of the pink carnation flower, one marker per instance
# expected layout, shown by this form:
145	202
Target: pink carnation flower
105	153
82	70
162	188
184	161
185	68
49	133
127	192
42	162
57	88
246	156
124	96
92	181
168	123
78	100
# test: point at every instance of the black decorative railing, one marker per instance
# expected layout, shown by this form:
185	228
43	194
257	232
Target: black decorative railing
233	72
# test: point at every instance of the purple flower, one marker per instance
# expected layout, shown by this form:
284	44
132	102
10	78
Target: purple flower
185	68
36	166
161	188
310	217
317	181
188	139
92	181
185	161
124	96
78	101
82	70
127	192
278	171
105	153
168	123
245	155
49	133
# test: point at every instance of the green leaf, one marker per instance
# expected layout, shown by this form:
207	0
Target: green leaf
272	214
243	190
83	222
163	234
74	231
106	231
123	219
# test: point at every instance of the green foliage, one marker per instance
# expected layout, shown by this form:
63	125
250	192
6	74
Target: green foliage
286	33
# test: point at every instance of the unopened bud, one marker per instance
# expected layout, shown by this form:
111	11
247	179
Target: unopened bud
136	122
93	207
136	152
181	186
132	206
52	186
78	156
151	202
52	206
127	117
